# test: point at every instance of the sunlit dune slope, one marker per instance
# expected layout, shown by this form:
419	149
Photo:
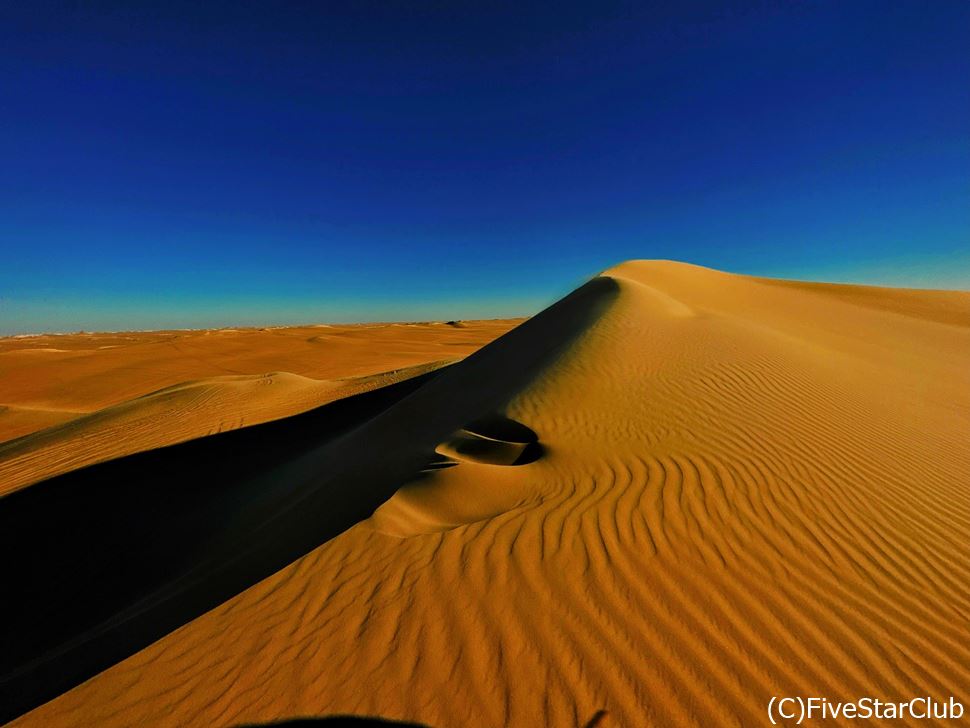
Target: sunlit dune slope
671	496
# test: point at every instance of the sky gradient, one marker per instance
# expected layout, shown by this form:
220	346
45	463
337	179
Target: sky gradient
208	164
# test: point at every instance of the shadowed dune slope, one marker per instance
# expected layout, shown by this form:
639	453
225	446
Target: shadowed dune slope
175	414
337	721
115	555
168	533
742	488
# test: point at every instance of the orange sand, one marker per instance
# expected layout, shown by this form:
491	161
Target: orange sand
741	488
116	394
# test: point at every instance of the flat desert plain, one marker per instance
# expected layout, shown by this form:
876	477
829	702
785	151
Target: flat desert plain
664	500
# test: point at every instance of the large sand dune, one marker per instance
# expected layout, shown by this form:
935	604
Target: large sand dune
669	497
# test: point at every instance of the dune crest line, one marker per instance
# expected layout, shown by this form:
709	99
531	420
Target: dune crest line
746	488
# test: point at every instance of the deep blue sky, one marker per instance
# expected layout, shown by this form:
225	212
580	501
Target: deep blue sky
198	164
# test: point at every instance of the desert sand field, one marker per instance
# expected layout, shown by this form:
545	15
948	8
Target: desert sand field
116	394
663	500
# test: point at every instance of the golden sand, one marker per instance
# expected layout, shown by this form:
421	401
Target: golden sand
672	495
116	394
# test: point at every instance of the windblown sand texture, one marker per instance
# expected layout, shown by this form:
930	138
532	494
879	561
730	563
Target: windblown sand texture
670	496
115	394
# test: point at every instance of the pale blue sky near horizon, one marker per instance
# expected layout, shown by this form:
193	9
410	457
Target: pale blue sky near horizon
177	165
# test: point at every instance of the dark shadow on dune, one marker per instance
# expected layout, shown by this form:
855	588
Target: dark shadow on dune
100	562
83	547
498	427
532	452
353	721
337	721
494	440
437	462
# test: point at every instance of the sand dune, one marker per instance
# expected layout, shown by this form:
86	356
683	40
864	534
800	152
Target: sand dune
52	378
86	391
172	415
668	497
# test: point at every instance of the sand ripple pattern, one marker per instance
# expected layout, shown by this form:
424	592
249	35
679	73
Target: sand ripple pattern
747	489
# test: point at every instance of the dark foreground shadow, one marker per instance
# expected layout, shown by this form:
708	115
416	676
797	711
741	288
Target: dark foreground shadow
337	721
353	721
83	548
101	562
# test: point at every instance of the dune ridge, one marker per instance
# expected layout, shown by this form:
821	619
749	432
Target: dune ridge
745	488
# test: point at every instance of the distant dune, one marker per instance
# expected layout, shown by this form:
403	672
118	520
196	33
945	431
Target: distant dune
666	498
117	394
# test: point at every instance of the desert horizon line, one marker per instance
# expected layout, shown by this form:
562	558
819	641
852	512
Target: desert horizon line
377	321
667	439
